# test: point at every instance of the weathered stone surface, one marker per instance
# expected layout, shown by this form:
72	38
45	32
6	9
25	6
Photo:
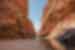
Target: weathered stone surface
26	44
14	20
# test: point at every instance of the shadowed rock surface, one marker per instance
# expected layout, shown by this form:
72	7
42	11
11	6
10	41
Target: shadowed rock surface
14	21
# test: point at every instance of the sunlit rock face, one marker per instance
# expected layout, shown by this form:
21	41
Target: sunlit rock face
52	14
13	19
61	17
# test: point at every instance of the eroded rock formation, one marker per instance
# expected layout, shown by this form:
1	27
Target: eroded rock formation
14	22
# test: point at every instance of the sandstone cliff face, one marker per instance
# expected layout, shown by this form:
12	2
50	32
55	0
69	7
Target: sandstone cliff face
48	20
55	11
44	27
14	21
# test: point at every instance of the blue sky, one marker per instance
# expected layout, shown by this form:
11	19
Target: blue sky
36	11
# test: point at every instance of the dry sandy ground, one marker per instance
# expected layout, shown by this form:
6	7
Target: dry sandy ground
27	44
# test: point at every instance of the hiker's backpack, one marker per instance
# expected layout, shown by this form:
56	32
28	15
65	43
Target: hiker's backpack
68	39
